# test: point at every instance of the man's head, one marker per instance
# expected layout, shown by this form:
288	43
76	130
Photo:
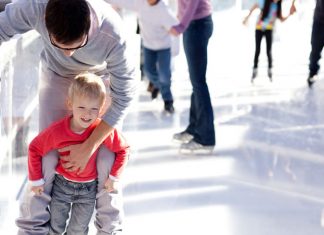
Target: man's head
86	99
68	23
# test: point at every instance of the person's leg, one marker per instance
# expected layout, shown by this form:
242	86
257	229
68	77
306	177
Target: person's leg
34	215
164	71
195	41
82	208
109	206
317	42
268	36
150	67
258	39
60	205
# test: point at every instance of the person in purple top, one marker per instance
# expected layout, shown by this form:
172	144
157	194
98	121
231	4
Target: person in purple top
196	24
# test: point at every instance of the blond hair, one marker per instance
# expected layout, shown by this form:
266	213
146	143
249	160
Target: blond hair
88	85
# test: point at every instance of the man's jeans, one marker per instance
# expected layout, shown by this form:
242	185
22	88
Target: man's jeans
195	42
157	68
317	41
79	198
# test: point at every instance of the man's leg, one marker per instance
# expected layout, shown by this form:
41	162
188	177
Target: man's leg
34	215
109	206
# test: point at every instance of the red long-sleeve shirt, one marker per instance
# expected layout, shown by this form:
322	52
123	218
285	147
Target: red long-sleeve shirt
59	135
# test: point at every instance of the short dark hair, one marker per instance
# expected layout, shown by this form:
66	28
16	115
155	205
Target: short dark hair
67	20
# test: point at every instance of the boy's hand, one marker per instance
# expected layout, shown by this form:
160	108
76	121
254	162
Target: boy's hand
174	32
111	186
38	190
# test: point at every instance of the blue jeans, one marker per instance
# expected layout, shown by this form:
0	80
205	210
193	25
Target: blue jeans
157	68
201	119
317	41
66	194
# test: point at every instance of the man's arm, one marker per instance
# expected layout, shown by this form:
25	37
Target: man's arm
81	153
18	17
122	86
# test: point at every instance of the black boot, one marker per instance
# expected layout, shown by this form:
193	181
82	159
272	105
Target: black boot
168	106
311	80
155	93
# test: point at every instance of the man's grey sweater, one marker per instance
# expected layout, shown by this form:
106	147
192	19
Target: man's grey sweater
105	53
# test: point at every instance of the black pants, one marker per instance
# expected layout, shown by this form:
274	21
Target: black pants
258	38
317	41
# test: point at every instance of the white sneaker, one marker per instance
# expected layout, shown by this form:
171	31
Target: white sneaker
194	147
182	137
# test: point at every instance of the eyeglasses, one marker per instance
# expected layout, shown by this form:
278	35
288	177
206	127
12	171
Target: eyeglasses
69	49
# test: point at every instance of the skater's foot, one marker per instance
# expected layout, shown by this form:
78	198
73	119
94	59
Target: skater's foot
270	74
254	74
311	80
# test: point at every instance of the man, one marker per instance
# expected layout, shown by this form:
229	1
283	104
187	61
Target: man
317	41
78	36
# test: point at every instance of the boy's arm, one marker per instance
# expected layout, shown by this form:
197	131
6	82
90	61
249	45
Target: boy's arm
168	19
38	147
128	4
117	144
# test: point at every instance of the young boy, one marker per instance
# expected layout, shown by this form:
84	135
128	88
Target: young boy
155	21
86	99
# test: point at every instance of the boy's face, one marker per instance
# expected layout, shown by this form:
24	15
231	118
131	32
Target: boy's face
85	111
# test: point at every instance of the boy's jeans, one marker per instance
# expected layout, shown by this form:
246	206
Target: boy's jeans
79	198
157	68
34	214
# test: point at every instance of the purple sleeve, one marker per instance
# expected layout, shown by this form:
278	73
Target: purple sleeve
188	10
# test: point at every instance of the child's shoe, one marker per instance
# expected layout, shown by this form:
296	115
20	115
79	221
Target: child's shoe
155	93
168	106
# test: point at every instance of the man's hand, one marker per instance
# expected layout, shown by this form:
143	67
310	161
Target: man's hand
79	155
111	186
38	190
